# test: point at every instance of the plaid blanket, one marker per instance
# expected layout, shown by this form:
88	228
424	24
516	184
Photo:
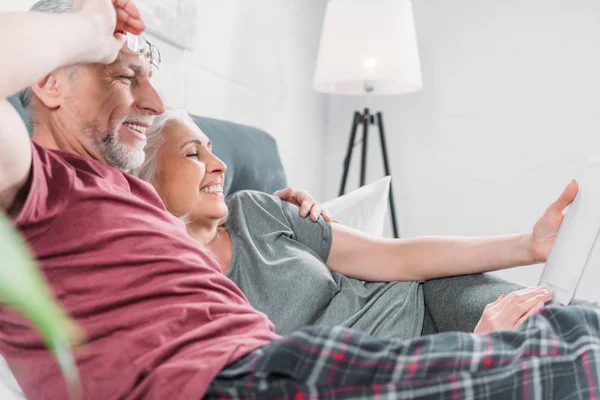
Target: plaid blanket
555	354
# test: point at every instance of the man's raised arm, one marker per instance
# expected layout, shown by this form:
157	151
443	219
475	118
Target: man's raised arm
33	45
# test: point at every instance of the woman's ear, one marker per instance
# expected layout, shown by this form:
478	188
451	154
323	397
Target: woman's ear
48	90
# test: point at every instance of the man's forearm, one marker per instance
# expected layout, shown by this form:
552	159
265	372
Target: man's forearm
35	44
436	257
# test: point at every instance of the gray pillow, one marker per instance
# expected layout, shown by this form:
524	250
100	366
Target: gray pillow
251	155
16	103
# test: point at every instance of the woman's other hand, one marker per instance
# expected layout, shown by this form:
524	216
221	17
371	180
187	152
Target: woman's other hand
509	311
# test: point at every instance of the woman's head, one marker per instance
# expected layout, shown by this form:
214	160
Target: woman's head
181	166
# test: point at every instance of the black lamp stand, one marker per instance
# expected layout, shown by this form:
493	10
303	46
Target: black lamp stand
365	119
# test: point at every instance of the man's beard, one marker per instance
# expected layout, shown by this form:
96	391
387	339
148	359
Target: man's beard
115	153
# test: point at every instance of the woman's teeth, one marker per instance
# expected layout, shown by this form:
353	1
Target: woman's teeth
138	128
213	189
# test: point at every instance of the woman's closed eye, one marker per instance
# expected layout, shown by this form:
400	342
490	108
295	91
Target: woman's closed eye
193	155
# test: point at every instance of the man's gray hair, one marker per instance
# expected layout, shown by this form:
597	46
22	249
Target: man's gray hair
147	171
48	6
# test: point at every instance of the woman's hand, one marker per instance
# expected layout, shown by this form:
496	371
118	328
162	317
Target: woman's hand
508	312
307	204
546	228
110	18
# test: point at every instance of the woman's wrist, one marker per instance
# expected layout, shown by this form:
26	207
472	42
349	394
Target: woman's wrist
525	251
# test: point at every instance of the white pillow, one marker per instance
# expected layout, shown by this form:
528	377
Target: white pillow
364	208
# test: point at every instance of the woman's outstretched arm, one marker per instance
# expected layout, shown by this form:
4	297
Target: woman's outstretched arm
370	258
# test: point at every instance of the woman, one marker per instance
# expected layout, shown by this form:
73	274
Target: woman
301	273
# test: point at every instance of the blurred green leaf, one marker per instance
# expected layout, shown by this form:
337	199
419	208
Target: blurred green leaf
23	288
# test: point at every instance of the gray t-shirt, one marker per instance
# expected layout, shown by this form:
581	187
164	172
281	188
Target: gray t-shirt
279	263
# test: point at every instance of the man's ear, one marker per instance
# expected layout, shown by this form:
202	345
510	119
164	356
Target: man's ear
49	91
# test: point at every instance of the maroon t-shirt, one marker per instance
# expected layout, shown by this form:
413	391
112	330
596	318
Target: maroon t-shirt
161	319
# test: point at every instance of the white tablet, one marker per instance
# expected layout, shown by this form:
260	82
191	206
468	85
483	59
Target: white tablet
576	237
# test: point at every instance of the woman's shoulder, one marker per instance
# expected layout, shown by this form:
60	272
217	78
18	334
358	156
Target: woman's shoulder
253	201
245	196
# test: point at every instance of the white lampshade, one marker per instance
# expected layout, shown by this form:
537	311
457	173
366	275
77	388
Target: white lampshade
368	46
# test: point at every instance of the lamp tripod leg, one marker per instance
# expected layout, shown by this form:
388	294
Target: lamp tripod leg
386	166
366	120
355	123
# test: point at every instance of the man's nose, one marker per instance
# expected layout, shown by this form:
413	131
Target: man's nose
149	100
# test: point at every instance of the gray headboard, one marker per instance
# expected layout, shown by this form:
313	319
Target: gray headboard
251	155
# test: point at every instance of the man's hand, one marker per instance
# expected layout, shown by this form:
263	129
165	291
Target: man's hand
306	203
128	17
508	312
111	19
546	228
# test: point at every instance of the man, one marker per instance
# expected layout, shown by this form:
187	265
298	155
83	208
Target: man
99	111
160	319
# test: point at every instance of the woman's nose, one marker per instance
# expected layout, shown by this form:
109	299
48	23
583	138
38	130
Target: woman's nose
216	165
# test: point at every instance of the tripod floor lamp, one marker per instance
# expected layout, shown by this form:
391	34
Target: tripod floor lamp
368	48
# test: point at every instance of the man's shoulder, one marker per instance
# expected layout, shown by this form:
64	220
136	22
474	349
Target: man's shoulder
58	177
74	162
58	165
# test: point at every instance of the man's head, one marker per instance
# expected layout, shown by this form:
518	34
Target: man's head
96	110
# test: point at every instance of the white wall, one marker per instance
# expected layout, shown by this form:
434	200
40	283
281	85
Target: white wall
253	64
509	111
